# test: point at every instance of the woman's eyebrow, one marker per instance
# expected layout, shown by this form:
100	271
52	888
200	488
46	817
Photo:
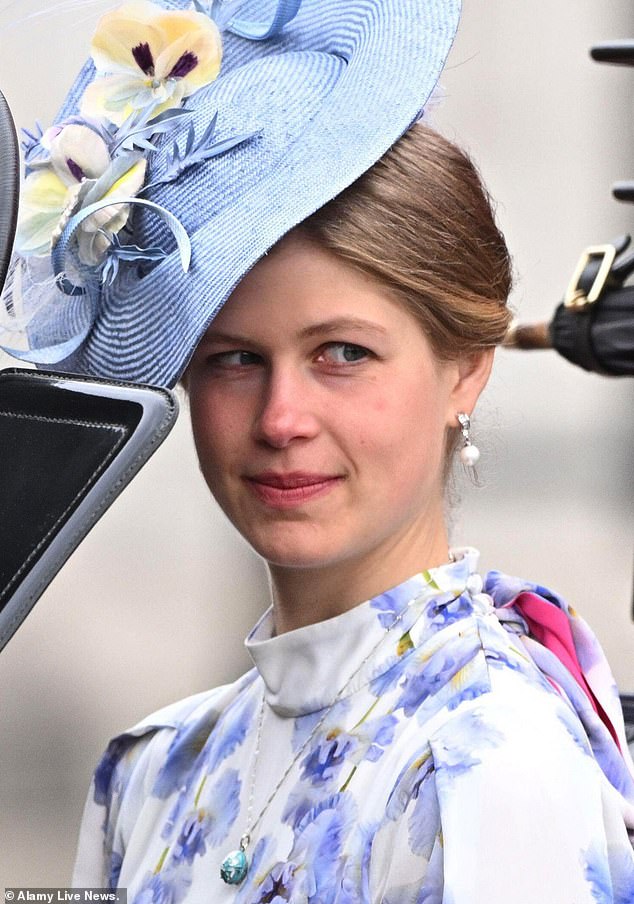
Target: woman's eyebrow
337	324
321	328
228	338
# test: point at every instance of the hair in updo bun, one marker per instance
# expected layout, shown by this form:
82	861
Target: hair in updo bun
421	222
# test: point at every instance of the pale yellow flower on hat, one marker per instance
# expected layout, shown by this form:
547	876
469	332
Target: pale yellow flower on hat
76	153
42	202
146	55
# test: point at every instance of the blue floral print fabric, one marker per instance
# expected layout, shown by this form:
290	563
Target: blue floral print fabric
461	764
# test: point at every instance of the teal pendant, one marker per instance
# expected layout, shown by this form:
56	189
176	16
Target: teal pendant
234	867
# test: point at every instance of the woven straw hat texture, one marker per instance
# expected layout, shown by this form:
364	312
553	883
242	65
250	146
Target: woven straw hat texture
327	97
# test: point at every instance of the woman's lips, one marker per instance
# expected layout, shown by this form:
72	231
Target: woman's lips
292	489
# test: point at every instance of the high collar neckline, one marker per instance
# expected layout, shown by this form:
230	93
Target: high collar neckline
310	668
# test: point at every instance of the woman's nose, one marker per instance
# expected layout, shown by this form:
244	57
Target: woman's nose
287	410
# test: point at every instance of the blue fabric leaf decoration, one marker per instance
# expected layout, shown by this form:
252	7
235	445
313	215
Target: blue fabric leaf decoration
196	152
119	252
31	147
138	129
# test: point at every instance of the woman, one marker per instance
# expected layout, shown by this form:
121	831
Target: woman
398	730
381	750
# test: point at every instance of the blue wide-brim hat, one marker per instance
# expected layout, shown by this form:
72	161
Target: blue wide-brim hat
322	100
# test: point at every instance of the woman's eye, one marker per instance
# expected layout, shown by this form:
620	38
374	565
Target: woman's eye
344	353
233	359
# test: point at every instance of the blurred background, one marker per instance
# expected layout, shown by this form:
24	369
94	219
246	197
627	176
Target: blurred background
155	603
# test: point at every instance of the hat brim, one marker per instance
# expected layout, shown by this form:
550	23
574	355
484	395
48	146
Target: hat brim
385	58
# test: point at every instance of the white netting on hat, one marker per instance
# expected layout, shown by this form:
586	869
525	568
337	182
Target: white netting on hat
39	321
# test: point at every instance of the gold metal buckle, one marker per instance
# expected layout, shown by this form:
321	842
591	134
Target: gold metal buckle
575	297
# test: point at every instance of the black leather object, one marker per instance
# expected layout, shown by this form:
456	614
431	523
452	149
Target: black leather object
600	337
68	447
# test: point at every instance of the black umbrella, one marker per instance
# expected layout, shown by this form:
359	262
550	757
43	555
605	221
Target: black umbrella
594	325
9	186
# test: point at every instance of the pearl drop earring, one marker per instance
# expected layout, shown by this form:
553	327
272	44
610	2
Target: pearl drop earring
469	453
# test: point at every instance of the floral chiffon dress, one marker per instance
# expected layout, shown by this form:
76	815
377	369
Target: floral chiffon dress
451	741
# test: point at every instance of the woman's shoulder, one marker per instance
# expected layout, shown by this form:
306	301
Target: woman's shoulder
175	734
203	706
150	759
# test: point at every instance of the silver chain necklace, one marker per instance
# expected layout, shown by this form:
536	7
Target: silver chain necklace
235	866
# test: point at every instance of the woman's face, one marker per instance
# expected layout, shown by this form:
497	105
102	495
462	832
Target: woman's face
320	414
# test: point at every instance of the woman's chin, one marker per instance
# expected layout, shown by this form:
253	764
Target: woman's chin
294	558
296	552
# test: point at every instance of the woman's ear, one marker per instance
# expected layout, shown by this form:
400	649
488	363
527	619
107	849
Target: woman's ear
472	375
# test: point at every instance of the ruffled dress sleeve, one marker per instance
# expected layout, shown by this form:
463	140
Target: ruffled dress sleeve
507	804
125	779
114	801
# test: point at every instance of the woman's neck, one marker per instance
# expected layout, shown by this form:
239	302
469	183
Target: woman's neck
303	596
